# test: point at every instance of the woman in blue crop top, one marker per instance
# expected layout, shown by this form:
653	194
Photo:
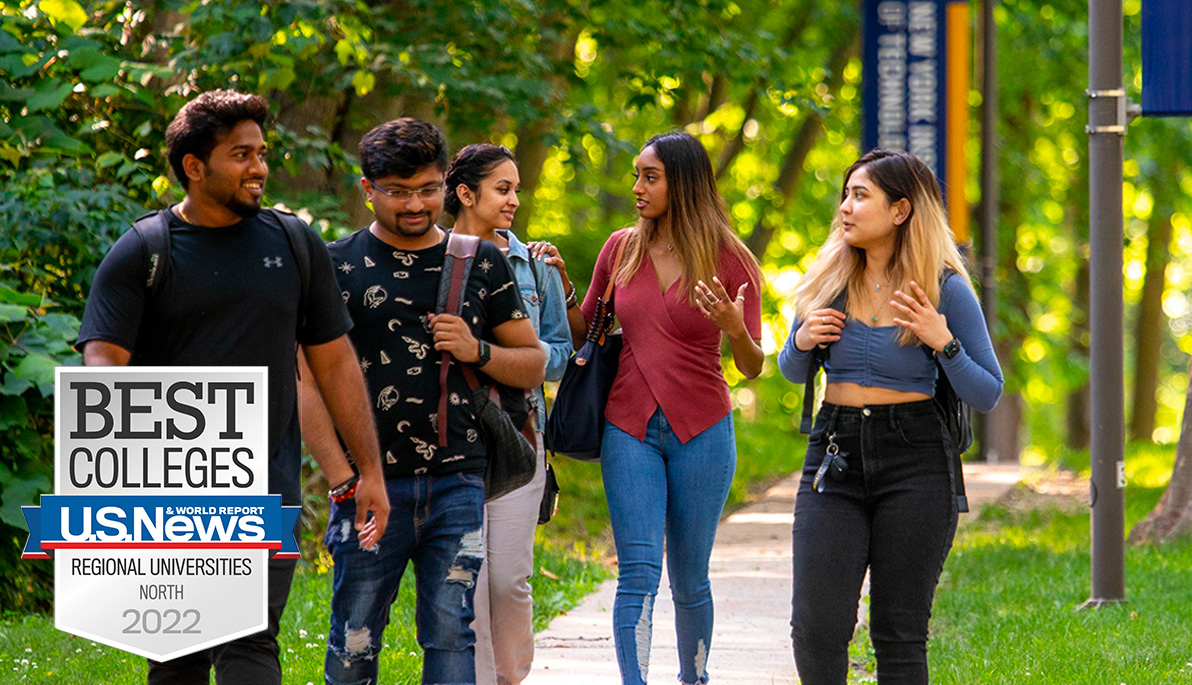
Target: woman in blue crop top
876	492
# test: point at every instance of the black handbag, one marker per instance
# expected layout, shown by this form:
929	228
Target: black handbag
575	425
511	456
512	459
550	497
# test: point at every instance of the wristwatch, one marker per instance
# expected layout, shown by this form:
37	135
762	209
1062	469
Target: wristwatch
951	349
486	353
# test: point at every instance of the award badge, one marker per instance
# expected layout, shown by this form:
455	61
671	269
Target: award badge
161	525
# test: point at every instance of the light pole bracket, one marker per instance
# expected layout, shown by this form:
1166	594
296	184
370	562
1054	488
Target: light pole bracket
1127	111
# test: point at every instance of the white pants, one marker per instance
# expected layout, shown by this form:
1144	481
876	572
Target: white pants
504	608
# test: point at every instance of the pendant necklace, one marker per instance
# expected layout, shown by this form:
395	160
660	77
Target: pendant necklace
877	288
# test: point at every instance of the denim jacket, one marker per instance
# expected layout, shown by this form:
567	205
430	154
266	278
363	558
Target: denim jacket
545	302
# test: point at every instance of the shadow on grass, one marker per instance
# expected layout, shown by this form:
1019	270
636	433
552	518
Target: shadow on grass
1006	609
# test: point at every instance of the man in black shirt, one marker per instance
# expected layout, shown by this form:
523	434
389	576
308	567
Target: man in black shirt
232	295
389	273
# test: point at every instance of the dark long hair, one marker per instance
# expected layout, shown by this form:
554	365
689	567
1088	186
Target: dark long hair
470	166
698	220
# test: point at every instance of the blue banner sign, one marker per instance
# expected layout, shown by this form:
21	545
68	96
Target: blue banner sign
904	73
915	80
1166	58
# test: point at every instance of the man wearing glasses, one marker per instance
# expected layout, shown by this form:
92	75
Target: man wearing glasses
389	276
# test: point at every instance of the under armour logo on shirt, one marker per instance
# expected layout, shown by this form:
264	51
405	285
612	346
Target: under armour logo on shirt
272	261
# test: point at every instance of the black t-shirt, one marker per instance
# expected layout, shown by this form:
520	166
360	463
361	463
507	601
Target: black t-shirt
389	295
229	298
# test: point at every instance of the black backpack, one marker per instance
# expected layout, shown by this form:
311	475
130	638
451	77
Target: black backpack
957	415
154	231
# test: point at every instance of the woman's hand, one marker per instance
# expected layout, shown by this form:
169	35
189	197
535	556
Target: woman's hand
921	317
714	303
822	326
550	255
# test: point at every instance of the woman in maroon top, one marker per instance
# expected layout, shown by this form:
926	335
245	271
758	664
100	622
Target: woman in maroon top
685	281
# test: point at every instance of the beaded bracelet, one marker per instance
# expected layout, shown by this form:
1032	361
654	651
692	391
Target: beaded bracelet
572	299
345	490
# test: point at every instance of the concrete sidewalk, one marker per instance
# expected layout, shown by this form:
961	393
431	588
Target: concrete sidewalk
751	583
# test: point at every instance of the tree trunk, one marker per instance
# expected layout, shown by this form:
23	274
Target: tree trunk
809	131
1004	423
1150	328
1172	516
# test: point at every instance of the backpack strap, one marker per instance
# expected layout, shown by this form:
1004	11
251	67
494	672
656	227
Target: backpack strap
944	387
296	232
819	356
154	231
457	265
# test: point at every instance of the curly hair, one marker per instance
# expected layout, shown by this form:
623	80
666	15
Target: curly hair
470	166
402	147
196	127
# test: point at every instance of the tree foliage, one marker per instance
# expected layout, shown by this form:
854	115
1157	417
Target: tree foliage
575	87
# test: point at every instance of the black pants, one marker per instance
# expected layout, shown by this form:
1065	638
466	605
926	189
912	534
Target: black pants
250	660
893	512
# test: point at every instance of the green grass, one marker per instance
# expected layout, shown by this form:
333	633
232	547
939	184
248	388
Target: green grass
33	651
572	549
1006	610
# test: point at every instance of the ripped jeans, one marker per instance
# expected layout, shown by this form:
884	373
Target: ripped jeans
661	489
436	522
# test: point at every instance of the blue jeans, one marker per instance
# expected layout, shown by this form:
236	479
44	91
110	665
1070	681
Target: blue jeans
435	521
892	510
660	488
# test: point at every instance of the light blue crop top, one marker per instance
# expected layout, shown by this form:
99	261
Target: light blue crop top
871	355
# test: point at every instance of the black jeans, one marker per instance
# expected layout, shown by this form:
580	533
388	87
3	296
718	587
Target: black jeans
891	511
250	660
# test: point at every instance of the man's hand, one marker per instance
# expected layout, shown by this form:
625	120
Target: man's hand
452	334
371	497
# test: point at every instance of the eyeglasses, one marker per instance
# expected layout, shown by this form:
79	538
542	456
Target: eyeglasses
402	195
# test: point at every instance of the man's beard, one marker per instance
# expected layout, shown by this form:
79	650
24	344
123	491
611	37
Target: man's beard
243	210
412	232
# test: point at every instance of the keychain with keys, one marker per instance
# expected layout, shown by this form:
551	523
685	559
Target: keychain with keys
834	465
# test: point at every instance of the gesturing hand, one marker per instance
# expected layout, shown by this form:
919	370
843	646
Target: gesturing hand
919	315
714	303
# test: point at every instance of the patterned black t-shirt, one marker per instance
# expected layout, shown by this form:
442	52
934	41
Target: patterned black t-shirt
389	294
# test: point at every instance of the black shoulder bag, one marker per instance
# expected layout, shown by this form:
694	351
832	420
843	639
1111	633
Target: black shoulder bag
511	457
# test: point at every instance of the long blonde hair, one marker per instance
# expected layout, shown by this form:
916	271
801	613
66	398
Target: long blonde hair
923	244
698	221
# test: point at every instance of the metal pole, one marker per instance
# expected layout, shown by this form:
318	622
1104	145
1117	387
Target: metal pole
1107	125
990	195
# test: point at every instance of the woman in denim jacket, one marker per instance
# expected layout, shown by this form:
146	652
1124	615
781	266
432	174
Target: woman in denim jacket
482	187
876	492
